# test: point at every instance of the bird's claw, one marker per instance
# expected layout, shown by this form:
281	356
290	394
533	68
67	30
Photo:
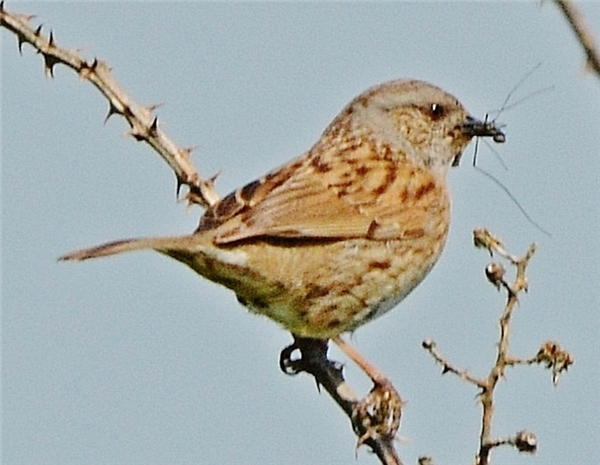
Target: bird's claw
313	354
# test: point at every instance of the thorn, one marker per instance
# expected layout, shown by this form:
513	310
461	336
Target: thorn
112	110
318	385
180	183
137	135
94	65
187	151
51	40
85	71
213	178
27	18
49	62
154	106
192	199
20	42
38	31
154	126
2	6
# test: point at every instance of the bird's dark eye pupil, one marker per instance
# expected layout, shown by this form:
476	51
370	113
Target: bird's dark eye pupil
436	110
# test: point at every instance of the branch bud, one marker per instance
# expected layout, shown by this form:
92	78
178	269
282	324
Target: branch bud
495	274
526	442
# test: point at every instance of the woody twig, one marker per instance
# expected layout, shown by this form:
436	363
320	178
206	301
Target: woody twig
551	355
583	34
143	124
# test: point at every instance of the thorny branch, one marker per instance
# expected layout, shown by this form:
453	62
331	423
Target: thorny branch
550	354
143	125
584	36
376	418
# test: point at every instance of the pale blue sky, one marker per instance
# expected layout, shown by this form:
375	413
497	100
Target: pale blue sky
136	360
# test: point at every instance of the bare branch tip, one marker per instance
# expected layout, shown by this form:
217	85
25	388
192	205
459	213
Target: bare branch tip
525	441
425	460
484	239
428	344
531	252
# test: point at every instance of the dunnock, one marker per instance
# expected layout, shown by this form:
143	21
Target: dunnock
341	234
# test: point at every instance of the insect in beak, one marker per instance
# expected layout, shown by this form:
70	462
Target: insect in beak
477	128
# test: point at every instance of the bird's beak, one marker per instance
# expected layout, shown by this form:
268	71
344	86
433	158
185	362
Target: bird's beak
473	127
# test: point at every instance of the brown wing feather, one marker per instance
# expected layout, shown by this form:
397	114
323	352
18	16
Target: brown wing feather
360	196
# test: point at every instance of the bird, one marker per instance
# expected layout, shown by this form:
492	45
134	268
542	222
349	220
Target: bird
341	234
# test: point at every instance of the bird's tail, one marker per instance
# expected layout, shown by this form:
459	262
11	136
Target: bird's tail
126	245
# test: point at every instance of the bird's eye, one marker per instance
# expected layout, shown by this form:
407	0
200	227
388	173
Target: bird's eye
436	110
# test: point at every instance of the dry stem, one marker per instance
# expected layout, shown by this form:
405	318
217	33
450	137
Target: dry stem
584	36
523	440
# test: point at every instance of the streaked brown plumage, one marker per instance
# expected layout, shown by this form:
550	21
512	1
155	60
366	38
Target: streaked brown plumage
341	234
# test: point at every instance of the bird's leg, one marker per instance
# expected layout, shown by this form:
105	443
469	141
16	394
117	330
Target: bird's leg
378	414
376	375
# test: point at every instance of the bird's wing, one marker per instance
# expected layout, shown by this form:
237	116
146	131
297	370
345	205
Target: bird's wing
360	197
